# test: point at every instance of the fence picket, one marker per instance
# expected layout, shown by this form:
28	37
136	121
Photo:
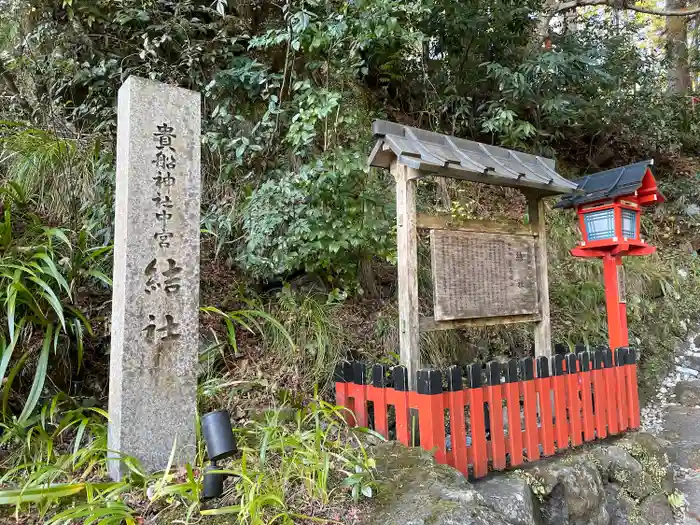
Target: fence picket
584	396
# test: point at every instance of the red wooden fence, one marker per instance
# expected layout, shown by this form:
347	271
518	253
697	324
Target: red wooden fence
519	411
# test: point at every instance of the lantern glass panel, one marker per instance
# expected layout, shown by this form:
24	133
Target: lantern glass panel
629	224
600	224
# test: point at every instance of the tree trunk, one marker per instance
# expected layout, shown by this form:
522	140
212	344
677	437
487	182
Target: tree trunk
367	278
677	49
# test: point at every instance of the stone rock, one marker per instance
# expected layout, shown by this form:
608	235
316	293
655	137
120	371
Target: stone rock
618	465
621	507
510	496
417	491
690	361
688	372
694	459
688	393
692	209
651	453
155	301
567	489
657	511
574	494
696	341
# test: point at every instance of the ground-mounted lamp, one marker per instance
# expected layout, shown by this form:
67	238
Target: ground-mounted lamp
221	444
609	206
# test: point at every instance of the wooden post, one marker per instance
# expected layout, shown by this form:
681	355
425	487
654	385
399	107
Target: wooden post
407	251
543	331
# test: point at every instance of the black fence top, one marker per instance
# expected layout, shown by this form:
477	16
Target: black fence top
608	184
475	375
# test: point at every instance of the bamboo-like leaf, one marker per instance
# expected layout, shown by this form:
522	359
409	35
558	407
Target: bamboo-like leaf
58	234
5	355
50	296
100	276
163	480
79	438
28	299
99	411
78	332
86	324
34	494
18	267
10	379
94	253
53	271
10	305
232	509
39	377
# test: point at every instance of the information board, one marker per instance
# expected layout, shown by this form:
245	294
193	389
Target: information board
479	275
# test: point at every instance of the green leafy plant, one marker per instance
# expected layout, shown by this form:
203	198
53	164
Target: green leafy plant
322	220
56	169
251	320
62	434
41	270
293	458
311	323
677	500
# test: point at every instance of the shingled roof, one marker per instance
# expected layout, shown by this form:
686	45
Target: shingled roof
463	159
609	184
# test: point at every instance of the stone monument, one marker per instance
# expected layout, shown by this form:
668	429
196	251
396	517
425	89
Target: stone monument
155	302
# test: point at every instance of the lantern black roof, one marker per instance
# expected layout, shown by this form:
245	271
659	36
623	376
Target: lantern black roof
609	184
447	156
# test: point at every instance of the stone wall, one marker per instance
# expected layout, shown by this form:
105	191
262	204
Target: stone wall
617	483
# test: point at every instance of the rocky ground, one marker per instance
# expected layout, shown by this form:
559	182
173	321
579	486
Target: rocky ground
674	416
624	482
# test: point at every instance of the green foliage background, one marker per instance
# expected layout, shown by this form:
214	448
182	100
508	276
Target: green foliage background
298	249
289	93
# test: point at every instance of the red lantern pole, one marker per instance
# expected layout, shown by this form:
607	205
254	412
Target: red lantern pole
623	303
615	301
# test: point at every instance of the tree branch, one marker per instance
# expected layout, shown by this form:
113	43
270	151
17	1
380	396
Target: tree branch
553	8
617	4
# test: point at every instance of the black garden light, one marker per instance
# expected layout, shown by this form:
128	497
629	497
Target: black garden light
221	444
213	484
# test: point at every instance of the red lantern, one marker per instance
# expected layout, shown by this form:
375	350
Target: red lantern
609	206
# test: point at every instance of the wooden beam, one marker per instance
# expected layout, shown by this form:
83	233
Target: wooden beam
425	169
543	329
428	324
407	252
446	222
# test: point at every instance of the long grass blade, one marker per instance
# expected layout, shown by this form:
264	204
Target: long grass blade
10	305
78	333
53	271
39	377
100	276
34	494
53	300
7	387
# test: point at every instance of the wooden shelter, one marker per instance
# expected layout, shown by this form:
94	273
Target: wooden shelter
484	272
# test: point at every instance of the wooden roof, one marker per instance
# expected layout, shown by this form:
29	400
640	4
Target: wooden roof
614	183
464	159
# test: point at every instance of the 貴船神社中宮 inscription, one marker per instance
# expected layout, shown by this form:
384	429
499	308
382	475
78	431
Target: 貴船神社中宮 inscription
479	275
152	397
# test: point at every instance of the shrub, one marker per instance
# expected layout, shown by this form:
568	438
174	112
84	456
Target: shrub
324	220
